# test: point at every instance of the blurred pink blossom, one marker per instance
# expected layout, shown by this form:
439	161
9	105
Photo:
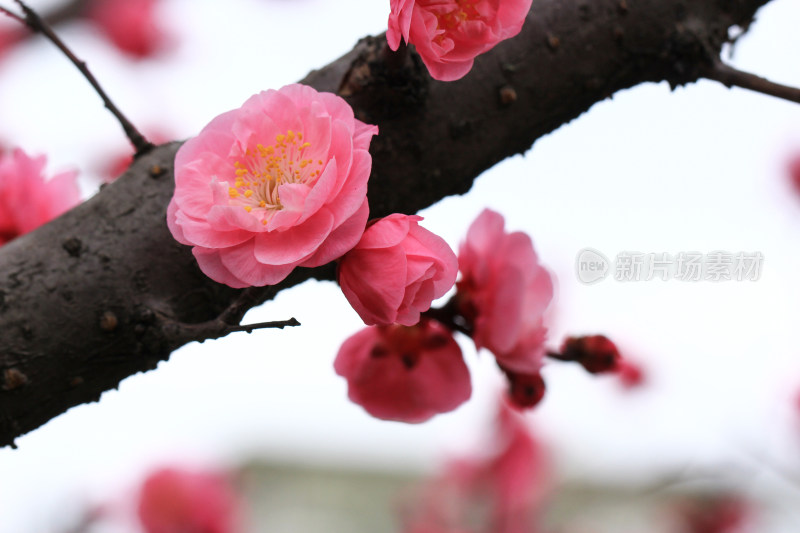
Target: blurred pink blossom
131	25
280	182
714	513
449	34
27	198
396	270
508	484
173	500
793	170
404	373
503	292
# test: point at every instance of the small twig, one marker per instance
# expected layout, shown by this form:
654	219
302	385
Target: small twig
731	77
37	24
216	329
249	328
12	15
559	356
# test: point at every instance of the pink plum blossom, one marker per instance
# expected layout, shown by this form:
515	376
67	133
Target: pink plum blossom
131	25
396	270
404	373
449	34
27	198
503	293
280	182
173	500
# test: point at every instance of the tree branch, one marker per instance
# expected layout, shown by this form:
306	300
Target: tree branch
114	254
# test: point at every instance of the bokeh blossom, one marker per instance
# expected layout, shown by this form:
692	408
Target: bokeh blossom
501	490
27	198
715	513
503	293
173	500
449	34
131	25
793	170
408	374
280	182
396	270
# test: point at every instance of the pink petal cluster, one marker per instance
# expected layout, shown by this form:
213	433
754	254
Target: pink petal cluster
173	500
404	373
396	270
508	483
27	198
449	34
503	292
280	182
131	25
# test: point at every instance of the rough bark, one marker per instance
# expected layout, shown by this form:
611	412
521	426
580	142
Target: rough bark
104	291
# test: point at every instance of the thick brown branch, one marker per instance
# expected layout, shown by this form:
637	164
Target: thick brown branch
113	255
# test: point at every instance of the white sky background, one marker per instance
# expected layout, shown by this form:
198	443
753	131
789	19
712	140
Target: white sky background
700	168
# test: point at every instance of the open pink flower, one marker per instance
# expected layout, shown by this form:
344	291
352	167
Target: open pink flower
173	500
503	292
396	270
449	34
404	373
131	25
278	183
27	198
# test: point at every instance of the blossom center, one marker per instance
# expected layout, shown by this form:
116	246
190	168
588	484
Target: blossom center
452	14
259	175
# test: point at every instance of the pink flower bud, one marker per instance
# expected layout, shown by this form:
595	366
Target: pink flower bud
174	500
449	34
525	390
27	198
404	373
396	270
280	182
596	353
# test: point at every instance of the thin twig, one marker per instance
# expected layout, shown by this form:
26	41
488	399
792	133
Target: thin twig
731	77
249	328
37	24
12	15
216	329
